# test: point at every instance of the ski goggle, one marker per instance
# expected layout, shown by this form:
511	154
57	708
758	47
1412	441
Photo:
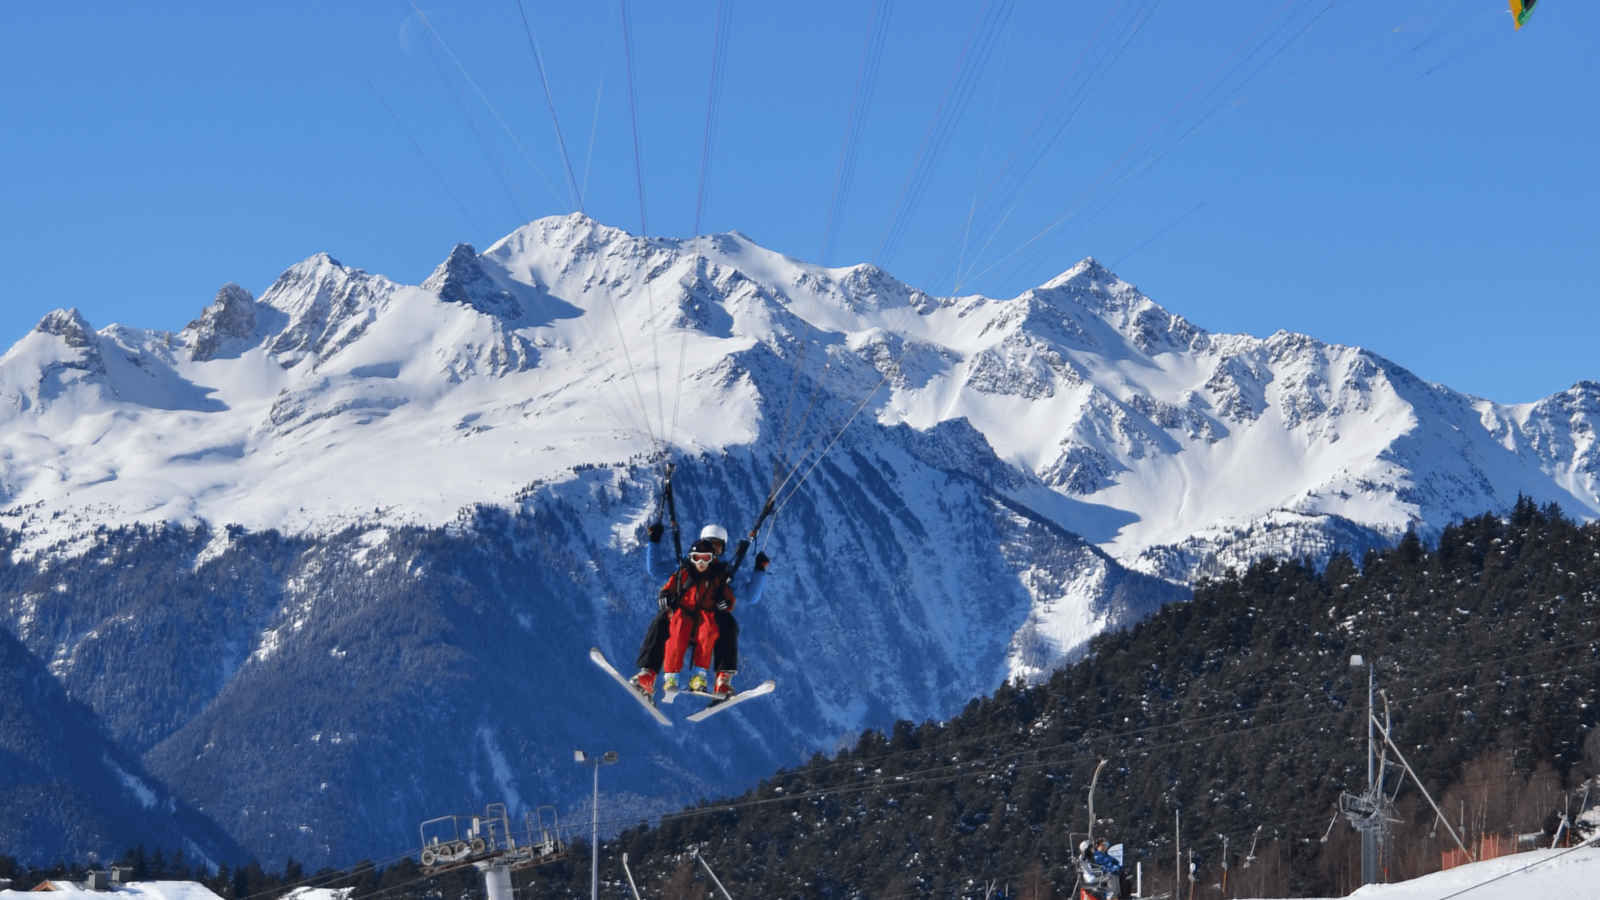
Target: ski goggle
702	557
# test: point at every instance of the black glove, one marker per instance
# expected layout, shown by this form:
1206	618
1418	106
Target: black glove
761	561
655	533
664	600
724	605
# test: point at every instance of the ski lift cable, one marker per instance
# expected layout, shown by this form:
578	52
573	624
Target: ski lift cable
1200	721
976	768
549	100
322	878
983	767
1389	741
988	763
431	167
496	113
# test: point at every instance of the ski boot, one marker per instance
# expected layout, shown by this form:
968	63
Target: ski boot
669	683
645	683
697	681
723	689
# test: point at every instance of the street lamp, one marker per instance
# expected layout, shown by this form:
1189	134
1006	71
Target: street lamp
606	759
1367	811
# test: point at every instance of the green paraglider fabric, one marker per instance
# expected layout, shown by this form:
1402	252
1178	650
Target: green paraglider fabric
1521	10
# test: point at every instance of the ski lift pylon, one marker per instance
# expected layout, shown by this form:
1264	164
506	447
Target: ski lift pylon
487	838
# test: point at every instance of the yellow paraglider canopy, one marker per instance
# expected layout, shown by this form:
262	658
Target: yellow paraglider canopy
1521	9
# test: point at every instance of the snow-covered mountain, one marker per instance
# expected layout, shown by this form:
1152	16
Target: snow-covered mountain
369	530
340	396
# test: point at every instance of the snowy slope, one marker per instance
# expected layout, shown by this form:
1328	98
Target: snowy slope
1546	874
340	396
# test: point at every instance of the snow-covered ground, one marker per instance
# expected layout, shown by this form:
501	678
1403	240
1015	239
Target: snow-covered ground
1536	875
133	890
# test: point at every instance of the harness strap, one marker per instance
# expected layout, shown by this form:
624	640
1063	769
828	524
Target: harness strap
744	543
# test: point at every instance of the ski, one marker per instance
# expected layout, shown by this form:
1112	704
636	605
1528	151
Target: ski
601	661
765	687
669	696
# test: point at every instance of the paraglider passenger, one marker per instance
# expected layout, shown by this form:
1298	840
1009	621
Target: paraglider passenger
695	606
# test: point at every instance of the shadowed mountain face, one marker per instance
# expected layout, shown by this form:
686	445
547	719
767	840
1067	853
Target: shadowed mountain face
329	560
402	672
70	790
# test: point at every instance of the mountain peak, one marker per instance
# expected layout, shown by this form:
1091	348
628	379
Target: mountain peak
1146	323
1094	286
231	315
461	279
69	325
1086	273
569	232
304	283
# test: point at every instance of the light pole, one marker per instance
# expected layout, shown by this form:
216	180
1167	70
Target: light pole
1367	812
606	759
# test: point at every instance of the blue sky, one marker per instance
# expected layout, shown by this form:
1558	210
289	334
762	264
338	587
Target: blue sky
1411	176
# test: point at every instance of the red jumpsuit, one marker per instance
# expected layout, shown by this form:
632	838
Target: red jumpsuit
694	614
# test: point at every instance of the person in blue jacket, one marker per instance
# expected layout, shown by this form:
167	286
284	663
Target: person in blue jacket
1110	868
725	655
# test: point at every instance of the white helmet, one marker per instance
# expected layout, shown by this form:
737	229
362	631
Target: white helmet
714	533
